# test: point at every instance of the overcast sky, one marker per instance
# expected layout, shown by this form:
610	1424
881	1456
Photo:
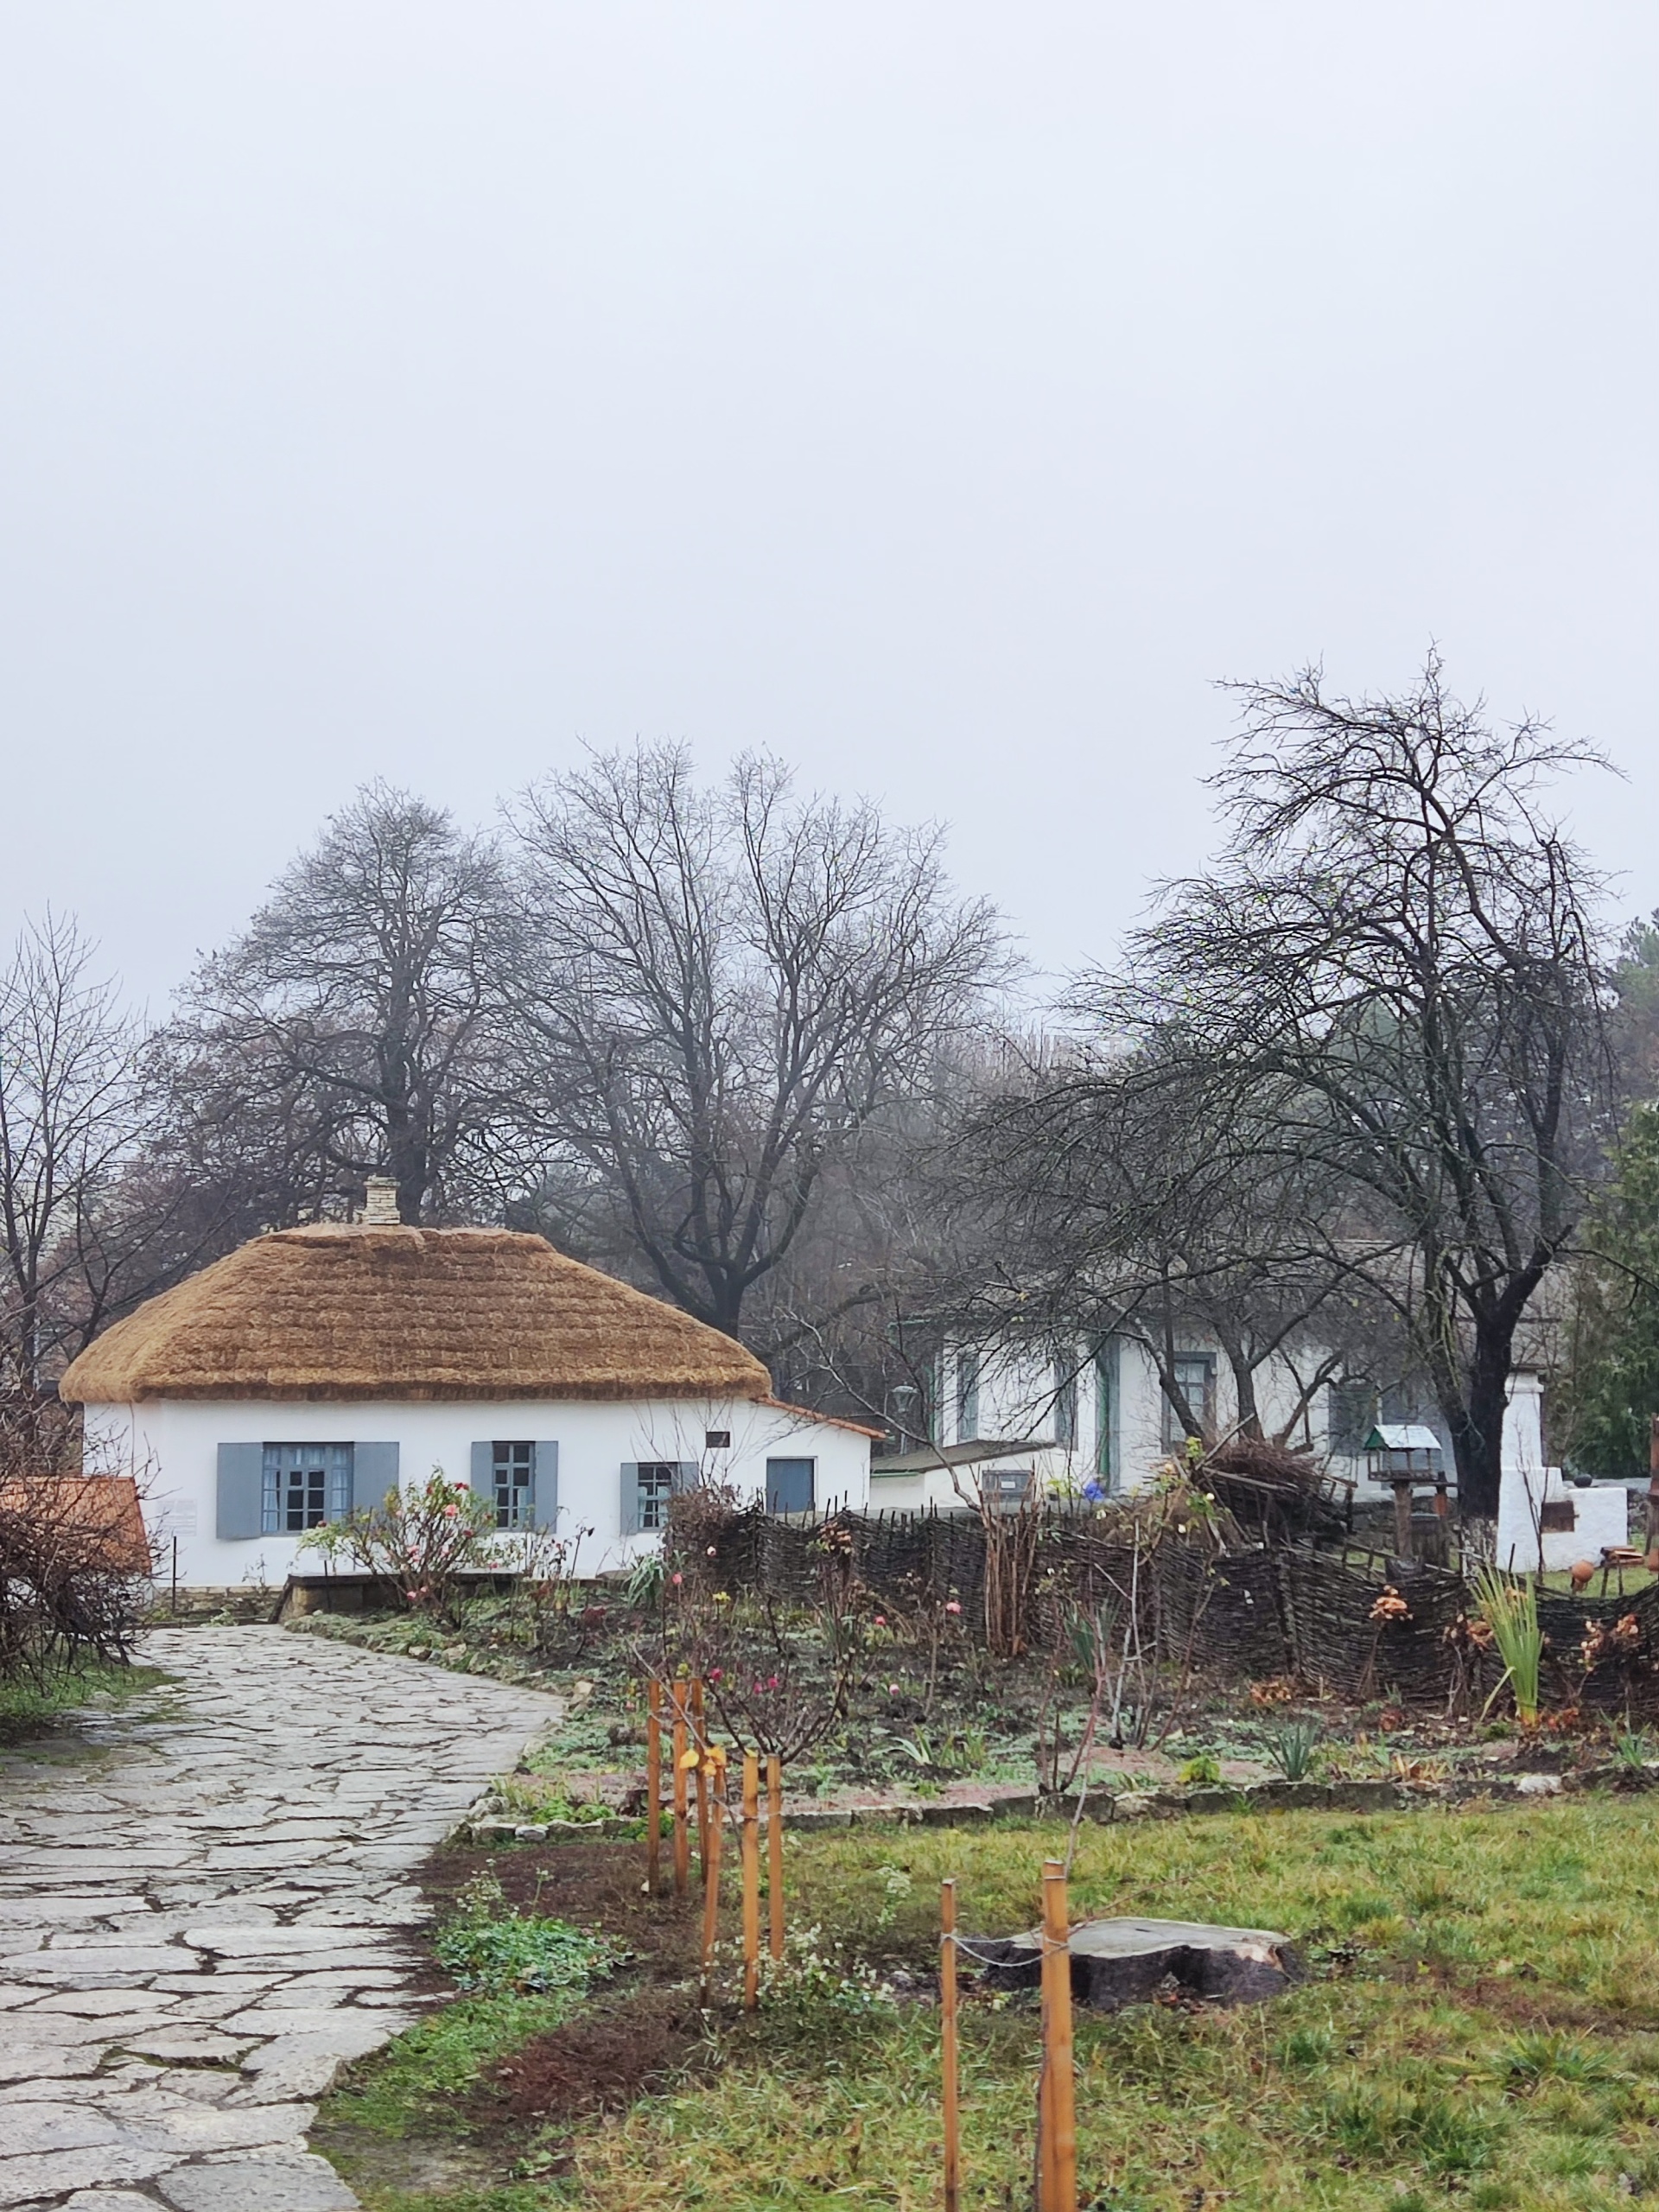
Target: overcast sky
943	395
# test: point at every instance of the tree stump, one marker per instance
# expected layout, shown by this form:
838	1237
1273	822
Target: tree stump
1117	1962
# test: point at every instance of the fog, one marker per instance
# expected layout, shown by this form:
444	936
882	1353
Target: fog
943	397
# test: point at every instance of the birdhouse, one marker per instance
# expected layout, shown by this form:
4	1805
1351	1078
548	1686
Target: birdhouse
1407	1455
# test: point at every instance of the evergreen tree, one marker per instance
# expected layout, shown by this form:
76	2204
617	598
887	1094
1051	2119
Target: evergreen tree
1612	1388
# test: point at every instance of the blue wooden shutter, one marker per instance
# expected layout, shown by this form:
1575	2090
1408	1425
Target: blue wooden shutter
374	1471
630	1521
483	1471
241	1500
543	1485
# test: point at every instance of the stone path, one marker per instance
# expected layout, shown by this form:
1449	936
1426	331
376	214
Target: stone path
202	1918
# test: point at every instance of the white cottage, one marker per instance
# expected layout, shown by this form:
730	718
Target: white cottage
314	1368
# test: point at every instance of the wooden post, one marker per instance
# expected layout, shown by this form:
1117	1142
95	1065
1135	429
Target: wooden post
1652	1482
711	1878
947	2044
682	1839
1402	1515
775	1851
700	1737
1059	2126
751	1881
653	1785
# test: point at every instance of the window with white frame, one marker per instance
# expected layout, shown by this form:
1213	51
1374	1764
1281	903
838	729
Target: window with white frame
513	1466
1065	1399
1194	1376
656	1479
968	1365
306	1485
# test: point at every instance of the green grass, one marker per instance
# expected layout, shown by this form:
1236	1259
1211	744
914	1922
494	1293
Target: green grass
1483	2018
415	2084
26	1706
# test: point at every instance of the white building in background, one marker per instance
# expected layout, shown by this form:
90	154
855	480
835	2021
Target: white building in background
315	1368
1006	1416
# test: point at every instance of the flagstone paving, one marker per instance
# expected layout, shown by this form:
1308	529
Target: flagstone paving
206	1910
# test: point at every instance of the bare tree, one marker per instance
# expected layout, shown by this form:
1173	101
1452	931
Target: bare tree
1124	1208
1390	976
72	1111
355	1025
729	987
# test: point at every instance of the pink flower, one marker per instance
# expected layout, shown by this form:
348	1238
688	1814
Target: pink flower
716	1674
880	1620
450	1511
952	1606
771	1682
677	1579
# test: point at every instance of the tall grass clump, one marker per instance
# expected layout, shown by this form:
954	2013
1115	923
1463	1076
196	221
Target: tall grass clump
1511	1610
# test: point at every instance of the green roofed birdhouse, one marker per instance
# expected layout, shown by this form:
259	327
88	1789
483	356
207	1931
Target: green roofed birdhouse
1409	1456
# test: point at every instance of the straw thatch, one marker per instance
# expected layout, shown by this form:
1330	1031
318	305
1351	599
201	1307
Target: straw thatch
362	1313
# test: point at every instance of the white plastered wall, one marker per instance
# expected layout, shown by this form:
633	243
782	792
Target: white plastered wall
172	1446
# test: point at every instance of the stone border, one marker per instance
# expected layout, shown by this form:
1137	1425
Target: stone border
488	1823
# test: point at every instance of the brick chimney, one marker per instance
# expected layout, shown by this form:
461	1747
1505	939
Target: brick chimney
380	1203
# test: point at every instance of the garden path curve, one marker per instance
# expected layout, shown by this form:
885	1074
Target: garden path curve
205	1910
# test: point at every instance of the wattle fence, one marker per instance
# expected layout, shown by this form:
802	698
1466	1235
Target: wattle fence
1253	1612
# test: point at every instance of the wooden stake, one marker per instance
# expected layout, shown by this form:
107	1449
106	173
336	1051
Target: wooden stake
711	1884
751	1881
775	1851
700	1737
1059	2165
682	1839
653	1785
947	2044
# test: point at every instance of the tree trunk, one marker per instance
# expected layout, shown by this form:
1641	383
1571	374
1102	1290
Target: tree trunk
1475	1417
1248	1414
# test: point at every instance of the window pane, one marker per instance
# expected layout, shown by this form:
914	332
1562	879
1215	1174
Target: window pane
656	1488
514	1472
305	1486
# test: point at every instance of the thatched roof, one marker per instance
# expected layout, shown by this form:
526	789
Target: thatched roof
369	1313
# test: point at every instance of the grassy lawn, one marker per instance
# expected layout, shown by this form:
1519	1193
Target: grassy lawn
1481	2022
27	1707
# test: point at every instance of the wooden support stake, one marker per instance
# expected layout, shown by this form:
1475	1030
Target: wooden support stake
1652	1482
947	2045
700	1737
1059	2116
682	1839
653	1785
1402	1515
775	1851
711	1886
751	1881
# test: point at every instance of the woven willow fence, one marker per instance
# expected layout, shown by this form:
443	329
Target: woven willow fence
1252	1612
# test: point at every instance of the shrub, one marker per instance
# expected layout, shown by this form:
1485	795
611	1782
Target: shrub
74	1573
418	1540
